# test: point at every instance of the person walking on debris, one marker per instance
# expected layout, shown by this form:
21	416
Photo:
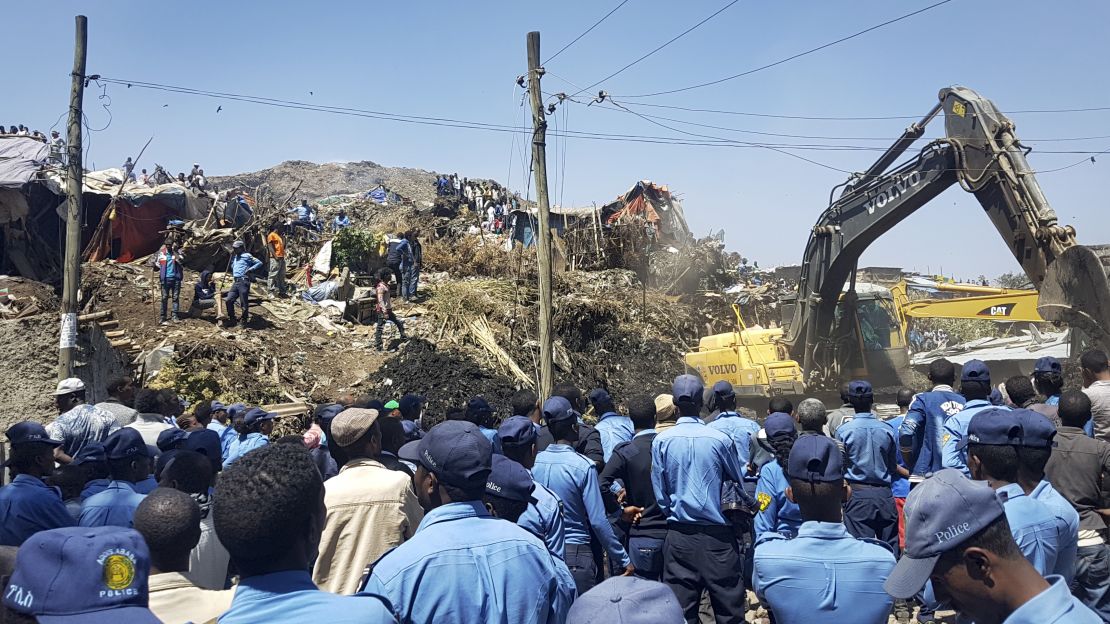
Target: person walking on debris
276	246
170	273
242	263
398	257
385	309
412	270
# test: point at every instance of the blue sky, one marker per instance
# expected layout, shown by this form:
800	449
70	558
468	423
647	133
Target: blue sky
460	60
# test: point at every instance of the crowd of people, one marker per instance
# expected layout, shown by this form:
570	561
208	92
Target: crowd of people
57	144
986	500
489	200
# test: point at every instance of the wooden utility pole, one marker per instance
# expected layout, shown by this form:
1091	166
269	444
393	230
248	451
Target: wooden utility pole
71	280
539	165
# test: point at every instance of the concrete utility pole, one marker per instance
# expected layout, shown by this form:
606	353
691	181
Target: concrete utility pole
71	280
543	252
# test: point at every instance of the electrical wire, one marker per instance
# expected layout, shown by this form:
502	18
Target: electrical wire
586	32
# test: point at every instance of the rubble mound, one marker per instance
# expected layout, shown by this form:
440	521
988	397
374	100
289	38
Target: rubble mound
317	181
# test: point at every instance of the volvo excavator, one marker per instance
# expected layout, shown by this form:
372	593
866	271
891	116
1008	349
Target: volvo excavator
835	330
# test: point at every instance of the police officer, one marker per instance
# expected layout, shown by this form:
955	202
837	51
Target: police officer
992	436
93	460
731	423
690	462
129	463
27	504
613	427
589	439
975	386
823	574
463	564
544	515
871	466
242	264
776	513
573	478
480	412
921	433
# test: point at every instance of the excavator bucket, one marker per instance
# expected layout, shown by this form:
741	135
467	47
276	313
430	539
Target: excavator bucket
1075	291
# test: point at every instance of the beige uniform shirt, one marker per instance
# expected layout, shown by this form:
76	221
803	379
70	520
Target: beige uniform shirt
174	599
371	509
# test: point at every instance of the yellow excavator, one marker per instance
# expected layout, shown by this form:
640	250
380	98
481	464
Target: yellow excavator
835	329
984	303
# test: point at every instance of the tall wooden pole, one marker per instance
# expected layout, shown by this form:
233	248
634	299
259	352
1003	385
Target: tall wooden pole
71	279
539	166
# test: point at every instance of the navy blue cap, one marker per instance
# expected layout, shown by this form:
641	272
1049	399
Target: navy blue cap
975	370
723	389
328	412
171	438
217	406
410	405
164	460
235	409
628	600
995	426
410	451
941	513
91	453
508	479
687	388
457	452
125	443
779	423
517	431
600	396
558	409
412	430
1037	431
478	405
996	397
1047	364
815	458
207	443
87	575
28	432
257	414
860	389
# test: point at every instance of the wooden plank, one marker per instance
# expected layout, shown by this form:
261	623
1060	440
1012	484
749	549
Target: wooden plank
106	325
119	333
94	316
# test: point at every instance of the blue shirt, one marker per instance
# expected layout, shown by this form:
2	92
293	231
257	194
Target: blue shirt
870	450
777	514
544	519
1053	605
614	429
291	597
741	430
464	565
689	463
573	478
824	575
304	213
338	223
491	435
1067	527
217	427
955	429
27	506
923	427
115	506
1033	527
95	486
239	446
244	263
146	486
901	486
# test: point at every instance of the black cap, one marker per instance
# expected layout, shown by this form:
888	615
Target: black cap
457	453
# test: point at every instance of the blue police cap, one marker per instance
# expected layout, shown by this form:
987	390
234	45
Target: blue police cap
257	414
600	396
724	390
412	430
1047	364
457	452
975	370
508	479
557	409
517	431
478	405
207	443
410	451
687	388
325	413
218	407
91	575
995	426
235	409
941	513
815	458
91	453
171	438
125	443
628	600
1037	431
860	389
410	405
28	432
996	398
778	423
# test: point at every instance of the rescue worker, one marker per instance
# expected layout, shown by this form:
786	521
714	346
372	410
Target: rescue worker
776	513
544	515
573	478
27	504
613	427
129	462
690	463
275	244
921	435
975	386
242	265
823	574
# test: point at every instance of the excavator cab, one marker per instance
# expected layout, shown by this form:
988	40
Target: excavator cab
869	340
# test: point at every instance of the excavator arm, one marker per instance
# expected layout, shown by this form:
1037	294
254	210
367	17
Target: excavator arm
981	153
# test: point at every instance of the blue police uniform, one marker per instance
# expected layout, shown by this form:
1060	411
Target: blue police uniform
923	427
240	445
464	565
115	506
1033	526
290	597
146	486
491	435
95	486
901	486
777	514
241	265
823	575
1054	605
544	519
690	462
614	429
1067	526
27	506
870	467
741	430
573	478
955	430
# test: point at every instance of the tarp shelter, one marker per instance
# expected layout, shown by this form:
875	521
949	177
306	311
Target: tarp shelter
522	224
652	203
20	158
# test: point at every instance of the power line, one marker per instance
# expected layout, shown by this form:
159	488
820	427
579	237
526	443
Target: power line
793	57
586	32
669	42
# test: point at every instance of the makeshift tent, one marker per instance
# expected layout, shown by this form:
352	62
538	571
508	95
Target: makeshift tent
522	221
652	203
20	158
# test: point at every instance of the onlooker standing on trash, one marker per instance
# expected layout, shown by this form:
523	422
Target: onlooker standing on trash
242	265
27	504
412	274
78	423
385	309
170	274
275	244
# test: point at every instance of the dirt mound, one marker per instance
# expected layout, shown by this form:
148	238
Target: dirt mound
328	179
31	369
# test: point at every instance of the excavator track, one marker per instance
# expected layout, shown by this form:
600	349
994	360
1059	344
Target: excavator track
1076	291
